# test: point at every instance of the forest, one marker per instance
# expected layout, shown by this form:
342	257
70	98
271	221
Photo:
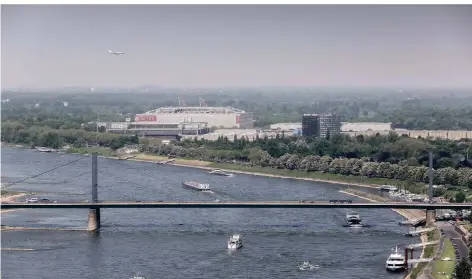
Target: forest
16	132
413	109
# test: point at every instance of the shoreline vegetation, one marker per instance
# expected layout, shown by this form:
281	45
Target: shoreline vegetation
267	171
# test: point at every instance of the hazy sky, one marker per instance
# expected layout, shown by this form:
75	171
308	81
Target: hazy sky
67	45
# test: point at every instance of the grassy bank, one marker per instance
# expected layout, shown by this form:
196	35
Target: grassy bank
411	186
6	193
179	161
444	269
101	151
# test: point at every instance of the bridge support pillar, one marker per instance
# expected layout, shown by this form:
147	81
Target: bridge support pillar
430	217
93	219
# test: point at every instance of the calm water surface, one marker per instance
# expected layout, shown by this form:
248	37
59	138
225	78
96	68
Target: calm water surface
185	243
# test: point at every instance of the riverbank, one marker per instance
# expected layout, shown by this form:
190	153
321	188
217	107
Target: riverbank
268	172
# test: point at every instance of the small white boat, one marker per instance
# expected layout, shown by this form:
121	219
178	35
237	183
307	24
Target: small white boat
307	266
353	219
235	242
45	149
388	188
396	261
220	172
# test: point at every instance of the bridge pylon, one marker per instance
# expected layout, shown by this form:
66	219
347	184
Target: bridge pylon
430	213
94	212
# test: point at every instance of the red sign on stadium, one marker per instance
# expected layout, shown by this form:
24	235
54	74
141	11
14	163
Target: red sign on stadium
145	117
238	119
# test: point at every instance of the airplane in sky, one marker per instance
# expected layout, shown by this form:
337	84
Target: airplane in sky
115	52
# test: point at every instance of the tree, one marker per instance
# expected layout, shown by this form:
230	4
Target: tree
463	269
460	197
470	253
255	155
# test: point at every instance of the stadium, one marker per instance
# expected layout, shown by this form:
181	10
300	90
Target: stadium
182	121
219	117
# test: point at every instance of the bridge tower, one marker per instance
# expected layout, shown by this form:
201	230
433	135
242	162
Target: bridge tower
430	213
94	213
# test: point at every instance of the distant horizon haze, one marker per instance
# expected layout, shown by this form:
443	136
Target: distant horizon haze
218	46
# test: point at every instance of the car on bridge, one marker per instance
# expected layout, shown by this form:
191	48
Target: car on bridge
340	201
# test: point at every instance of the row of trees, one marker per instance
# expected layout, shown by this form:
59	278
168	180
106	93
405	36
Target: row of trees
464	269
16	132
325	164
392	148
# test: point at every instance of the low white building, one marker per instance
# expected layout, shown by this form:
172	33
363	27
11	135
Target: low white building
286	126
365	126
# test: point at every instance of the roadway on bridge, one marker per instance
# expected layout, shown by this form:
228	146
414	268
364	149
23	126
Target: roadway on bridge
233	204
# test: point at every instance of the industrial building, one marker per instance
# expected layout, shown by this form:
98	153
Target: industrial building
330	124
311	125
219	117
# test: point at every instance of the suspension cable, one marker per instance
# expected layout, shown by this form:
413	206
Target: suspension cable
44	172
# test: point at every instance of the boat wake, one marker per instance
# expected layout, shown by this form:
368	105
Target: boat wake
358	226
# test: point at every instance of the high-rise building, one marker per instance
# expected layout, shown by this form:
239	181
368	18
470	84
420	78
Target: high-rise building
330	124
311	125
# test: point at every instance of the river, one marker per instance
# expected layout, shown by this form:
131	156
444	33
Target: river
185	243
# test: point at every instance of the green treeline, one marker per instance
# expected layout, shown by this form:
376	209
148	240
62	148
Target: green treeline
15	132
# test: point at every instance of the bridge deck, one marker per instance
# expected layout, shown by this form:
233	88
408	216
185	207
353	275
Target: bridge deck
235	204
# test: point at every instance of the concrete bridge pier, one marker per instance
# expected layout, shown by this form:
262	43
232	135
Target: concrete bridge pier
93	219
430	217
